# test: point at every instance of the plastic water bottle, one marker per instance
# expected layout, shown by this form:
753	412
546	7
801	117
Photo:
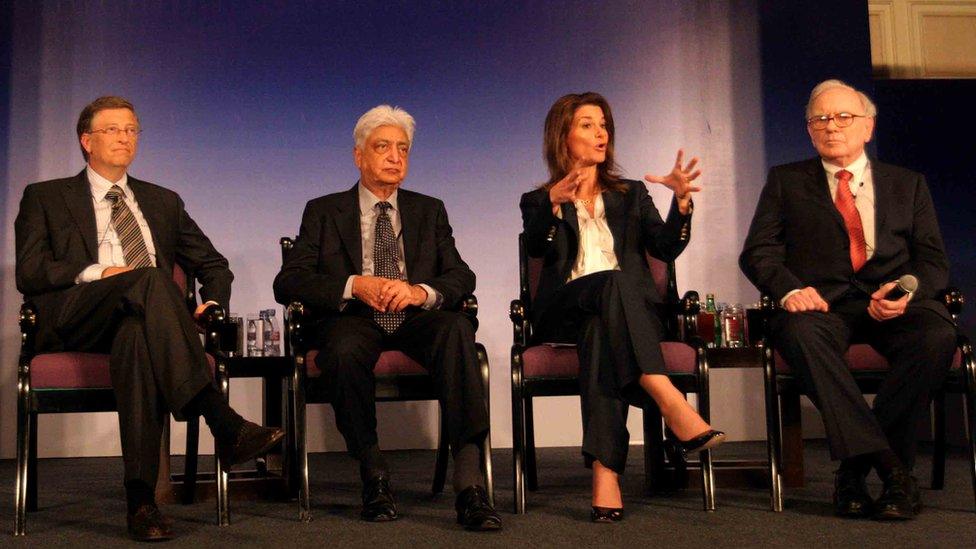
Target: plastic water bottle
254	348
271	334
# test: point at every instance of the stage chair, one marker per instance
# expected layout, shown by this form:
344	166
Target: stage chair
783	390
398	378
542	370
71	382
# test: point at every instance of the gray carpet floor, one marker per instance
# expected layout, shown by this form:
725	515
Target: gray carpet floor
81	504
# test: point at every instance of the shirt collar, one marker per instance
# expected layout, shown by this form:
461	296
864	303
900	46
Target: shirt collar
100	186
368	200
856	168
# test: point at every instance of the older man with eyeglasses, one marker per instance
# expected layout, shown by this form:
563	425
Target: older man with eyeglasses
829	238
95	254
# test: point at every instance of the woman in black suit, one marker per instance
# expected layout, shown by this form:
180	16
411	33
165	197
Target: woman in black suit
592	230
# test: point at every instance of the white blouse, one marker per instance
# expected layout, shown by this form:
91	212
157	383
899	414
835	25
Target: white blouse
595	252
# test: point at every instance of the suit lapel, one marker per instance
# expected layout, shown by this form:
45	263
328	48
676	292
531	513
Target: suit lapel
77	196
613	207
569	216
881	179
347	222
155	218
409	227
819	191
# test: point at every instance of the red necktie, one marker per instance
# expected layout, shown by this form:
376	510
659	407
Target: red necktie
852	219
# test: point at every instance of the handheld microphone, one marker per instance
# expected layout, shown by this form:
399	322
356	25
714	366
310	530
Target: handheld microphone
905	285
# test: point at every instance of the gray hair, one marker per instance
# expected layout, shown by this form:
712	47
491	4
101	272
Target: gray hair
382	115
869	109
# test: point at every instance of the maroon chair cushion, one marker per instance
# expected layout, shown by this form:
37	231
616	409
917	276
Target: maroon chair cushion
535	273
390	363
548	361
659	272
75	371
860	357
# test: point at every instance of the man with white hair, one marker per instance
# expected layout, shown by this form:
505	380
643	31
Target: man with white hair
829	238
378	265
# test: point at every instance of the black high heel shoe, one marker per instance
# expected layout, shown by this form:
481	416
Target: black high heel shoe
704	441
606	514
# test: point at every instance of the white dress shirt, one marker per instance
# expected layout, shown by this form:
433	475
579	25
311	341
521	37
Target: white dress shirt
109	246
595	253
368	214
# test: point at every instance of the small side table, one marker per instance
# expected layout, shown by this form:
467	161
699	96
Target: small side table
273	478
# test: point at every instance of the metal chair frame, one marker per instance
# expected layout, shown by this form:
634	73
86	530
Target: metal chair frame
389	388
783	391
31	402
681	313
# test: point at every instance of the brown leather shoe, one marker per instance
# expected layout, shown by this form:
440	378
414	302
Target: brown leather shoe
148	524
252	440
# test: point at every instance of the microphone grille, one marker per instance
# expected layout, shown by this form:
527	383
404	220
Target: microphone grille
908	283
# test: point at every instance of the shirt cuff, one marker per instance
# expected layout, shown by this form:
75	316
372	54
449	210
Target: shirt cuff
347	293
434	298
91	273
782	302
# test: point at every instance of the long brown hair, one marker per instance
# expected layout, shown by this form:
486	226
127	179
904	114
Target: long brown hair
554	149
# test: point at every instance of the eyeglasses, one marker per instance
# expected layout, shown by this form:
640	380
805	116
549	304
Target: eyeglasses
113	131
842	119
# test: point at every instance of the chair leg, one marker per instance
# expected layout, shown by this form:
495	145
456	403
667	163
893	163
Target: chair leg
192	454
443	449
32	467
653	451
708	475
486	445
531	470
298	388
970	417
773	426
518	434
220	468
24	437
939	441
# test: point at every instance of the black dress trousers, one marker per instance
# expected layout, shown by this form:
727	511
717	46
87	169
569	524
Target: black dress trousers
157	362
918	345
611	317
443	342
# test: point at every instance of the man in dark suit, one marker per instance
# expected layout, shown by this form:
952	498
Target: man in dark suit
379	266
829	239
95	254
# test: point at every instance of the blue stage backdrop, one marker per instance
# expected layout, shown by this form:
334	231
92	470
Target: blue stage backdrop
248	110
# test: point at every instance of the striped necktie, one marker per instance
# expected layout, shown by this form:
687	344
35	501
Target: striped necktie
386	264
133	246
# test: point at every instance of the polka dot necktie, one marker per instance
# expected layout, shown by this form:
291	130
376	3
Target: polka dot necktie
133	246
386	264
852	219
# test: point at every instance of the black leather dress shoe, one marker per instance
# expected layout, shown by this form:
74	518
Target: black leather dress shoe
378	502
704	441
851	498
606	514
474	512
252	440
900	498
148	524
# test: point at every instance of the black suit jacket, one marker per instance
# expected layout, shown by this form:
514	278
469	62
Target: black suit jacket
798	238
56	239
634	222
328	251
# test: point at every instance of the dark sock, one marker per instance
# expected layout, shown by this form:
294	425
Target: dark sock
467	468
372	463
137	494
223	421
860	464
885	462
